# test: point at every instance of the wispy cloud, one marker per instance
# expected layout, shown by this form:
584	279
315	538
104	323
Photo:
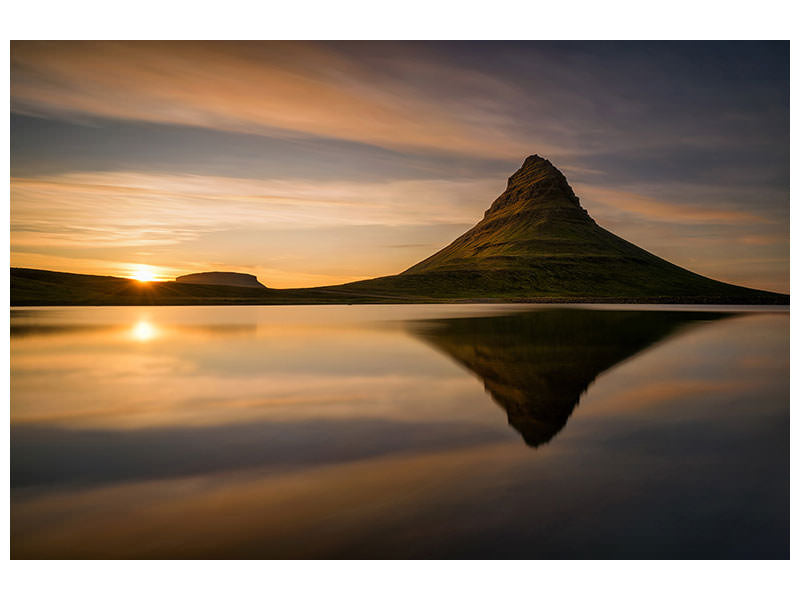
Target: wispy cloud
289	232
276	89
142	209
664	211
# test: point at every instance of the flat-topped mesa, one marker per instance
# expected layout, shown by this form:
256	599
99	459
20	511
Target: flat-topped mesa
538	186
221	278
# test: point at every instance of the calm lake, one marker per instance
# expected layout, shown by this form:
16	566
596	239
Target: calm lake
421	431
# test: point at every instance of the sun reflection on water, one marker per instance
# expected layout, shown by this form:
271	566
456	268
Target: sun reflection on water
144	331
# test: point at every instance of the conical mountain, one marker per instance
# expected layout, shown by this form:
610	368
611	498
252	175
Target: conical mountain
537	242
538	215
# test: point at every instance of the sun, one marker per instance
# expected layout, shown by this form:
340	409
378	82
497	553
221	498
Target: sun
143	274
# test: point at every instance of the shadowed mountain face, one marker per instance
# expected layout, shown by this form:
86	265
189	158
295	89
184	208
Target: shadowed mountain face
536	365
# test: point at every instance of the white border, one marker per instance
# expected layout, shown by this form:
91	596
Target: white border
413	19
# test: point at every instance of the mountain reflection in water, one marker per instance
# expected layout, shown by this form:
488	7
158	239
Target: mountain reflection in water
536	365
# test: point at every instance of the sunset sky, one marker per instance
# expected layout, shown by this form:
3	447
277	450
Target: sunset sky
318	163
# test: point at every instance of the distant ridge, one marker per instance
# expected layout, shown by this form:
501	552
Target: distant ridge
221	278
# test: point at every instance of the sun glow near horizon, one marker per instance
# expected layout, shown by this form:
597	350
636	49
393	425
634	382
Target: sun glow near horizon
144	274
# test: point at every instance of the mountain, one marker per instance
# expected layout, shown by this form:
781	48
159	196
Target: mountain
536	365
536	241
222	278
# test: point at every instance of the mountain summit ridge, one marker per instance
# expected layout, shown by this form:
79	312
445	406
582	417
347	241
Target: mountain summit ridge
538	214
535	181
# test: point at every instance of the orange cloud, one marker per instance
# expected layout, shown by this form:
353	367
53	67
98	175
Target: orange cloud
762	240
658	210
276	88
142	209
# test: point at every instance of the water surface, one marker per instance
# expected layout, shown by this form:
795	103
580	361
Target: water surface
400	431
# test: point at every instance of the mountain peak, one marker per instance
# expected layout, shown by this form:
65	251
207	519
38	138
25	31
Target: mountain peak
533	161
539	186
533	166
